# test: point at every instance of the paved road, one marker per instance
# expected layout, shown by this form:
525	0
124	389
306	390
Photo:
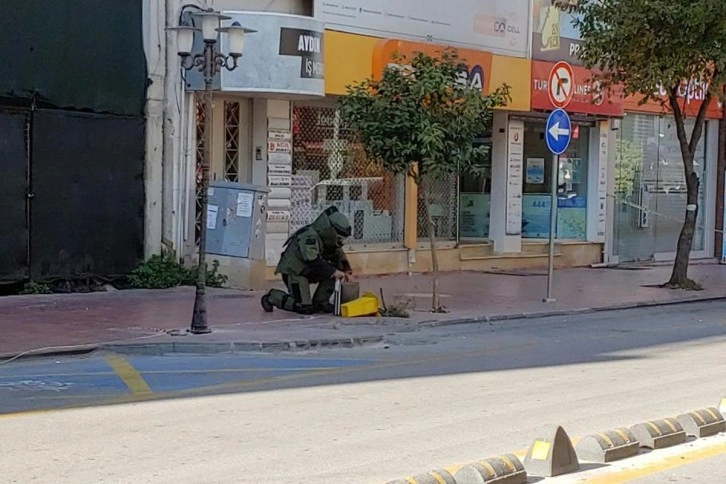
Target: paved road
428	399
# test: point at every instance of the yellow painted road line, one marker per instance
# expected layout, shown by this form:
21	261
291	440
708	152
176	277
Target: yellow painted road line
129	375
660	466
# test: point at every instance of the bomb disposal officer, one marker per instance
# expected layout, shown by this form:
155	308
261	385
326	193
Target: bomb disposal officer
313	255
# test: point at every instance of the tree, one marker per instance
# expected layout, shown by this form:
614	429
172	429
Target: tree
421	119
669	51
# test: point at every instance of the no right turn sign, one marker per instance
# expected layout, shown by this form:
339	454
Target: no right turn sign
561	84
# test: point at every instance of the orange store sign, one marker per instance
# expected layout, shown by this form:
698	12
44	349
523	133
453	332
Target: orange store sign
479	63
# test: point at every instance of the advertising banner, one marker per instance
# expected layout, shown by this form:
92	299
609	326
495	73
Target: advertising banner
494	25
285	55
554	36
475	211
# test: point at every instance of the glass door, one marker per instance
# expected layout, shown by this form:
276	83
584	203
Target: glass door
650	189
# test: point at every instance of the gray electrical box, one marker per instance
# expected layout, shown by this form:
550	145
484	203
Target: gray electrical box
236	220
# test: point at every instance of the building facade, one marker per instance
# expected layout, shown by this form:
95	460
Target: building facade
646	193
276	125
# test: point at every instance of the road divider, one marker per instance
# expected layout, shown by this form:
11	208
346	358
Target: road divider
608	446
438	476
658	434
551	454
703	422
505	469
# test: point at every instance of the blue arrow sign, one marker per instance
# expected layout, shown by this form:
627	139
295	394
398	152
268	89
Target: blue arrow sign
559	131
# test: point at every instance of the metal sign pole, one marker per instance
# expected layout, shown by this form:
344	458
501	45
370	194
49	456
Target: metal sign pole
553	223
558	135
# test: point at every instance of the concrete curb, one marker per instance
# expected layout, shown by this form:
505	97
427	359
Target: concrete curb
50	352
158	349
567	312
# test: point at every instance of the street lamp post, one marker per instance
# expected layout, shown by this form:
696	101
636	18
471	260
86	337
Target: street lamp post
210	62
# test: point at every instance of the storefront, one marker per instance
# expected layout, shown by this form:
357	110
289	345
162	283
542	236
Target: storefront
581	211
390	234
499	219
650	189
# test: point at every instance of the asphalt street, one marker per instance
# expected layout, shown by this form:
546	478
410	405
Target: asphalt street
427	398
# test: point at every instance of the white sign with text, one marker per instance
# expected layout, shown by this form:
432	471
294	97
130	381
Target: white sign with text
491	25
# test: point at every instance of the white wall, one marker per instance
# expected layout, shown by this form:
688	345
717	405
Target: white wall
155	49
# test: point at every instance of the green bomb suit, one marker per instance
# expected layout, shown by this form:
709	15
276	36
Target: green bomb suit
312	255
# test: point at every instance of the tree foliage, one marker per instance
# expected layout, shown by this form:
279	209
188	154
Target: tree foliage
422	114
643	46
421	119
669	51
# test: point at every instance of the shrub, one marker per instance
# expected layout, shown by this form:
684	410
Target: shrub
164	271
36	288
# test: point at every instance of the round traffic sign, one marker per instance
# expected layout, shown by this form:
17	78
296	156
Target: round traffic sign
561	84
558	131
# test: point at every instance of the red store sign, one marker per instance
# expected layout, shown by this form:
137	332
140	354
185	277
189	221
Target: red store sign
586	97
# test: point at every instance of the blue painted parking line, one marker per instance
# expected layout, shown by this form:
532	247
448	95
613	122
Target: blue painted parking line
146	364
99	378
170	374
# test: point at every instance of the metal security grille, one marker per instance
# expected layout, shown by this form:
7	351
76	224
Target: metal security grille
231	141
444	209
331	168
200	118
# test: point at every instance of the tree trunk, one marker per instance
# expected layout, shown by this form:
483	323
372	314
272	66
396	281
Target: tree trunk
679	276
435	301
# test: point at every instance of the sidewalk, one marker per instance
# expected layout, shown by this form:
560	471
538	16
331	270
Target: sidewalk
144	318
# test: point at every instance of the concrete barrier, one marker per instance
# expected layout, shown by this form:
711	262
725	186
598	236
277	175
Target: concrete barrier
438	476
703	422
657	434
551	454
504	469
608	446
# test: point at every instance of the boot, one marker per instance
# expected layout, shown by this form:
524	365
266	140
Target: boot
266	304
325	308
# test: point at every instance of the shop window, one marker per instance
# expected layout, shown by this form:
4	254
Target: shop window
475	200
331	168
231	141
650	188
442	196
571	185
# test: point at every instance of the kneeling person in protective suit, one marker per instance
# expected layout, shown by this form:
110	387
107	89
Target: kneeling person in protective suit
313	254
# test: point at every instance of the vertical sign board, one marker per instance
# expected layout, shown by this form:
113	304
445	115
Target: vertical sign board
515	160
602	181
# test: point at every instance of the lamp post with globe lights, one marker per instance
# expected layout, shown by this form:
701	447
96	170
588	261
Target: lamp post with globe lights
209	63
